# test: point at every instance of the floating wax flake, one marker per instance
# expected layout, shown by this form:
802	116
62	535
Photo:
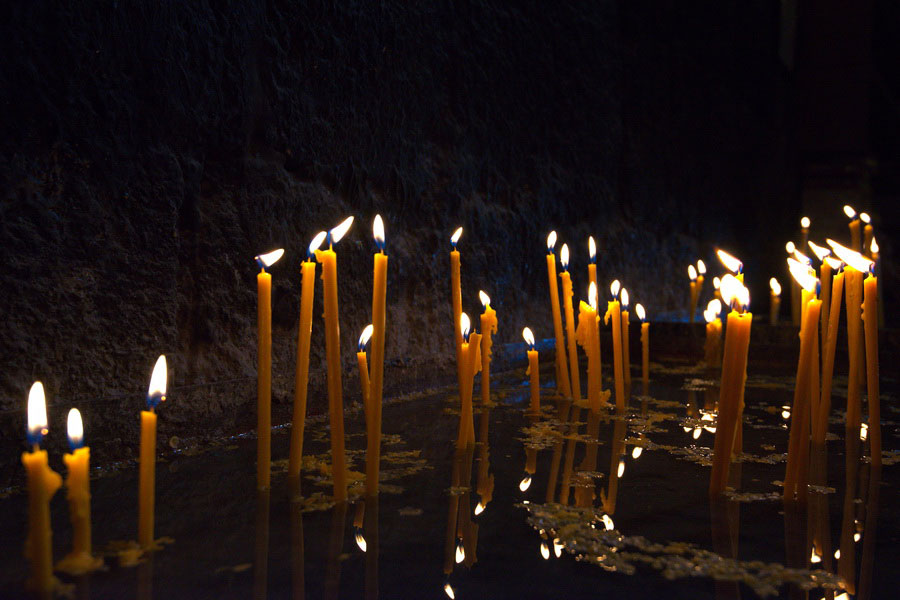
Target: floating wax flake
612	551
234	569
753	496
771	383
697	385
390	439
315	502
542	434
458	490
820	489
768	447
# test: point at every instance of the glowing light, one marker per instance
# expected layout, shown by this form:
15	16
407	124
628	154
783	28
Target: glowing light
837	554
592	248
857	536
316	243
851	257
800	273
75	429
449	591
341	230
545	550
485	299
848	210
592	295
456	235
733	291
564	257
157	390
692	272
267	260
874	247
624	296
820	251
608	522
479	508
697	432
776	287
863	432
528	336
551	242
790	247
525	483
709	316
730	262
785	414
636	453
37	413
557	547
460	552
865	218
800	257
814	557
614	288
378	232
716	282
464	325
804	222
701	267
640	312
714	306
364	337
621	470
834	263
360	539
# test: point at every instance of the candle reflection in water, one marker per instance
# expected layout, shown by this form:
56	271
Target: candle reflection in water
298	563
335	548
261	558
485	480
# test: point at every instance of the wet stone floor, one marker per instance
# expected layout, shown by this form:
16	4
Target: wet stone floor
565	504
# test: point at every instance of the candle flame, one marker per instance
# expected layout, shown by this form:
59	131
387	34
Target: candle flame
564	257
804	222
479	508
365	336
455	237
614	288
833	262
485	299
692	272
360	539
701	267
464	325
545	550
776	287
592	248
316	243
640	312
709	316
857	536
837	555
790	247
529	337
874	246
157	391
863	431
730	262
865	218
848	210
449	591
850	257
551	242
75	429
733	291
800	257
697	432
815	557
636	453
714	306
621	470
592	295
801	274
608	522
267	260
716	282
557	547
460	552
378	232
820	251
525	483
337	233
624	297
37	413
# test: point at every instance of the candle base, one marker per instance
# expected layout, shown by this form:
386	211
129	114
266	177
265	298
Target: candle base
79	563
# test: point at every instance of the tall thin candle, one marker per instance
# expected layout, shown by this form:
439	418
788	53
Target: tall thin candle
626	343
692	306
613	313
376	382
774	300
570	322
533	371
147	465
870	318
562	370
645	346
820	425
592	261
264	369
488	328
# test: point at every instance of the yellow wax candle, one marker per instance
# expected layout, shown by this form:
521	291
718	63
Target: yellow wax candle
79	560
363	363
855	228
379	294
868	234
716	294
584	335
712	348
264	370
562	370
734	364
328	258
692	306
533	371
471	362
825	295
829	347
42	484
701	274
488	327
626	344
456	301
301	375
575	380
613	313
645	347
774	300
147	463
791	248
592	265
870	318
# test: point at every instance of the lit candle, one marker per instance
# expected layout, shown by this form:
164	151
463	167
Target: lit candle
798	445
264	369
562	370
712	349
488	328
626	347
533	371
829	347
716	294
692	307
774	300
731	389
570	322
733	264
613	313
363	363
469	354
868	233
857	264
587	336
376	384
873	254
825	295
301	375
870	319
156	393
456	301
645	346
592	261
855	224
790	248
42	484
701	274
804	231
78	486
328	258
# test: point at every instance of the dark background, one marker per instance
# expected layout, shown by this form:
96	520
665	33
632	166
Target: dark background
149	150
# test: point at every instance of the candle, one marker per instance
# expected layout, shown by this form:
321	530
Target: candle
301	375
830	344
868	234
825	295
712	348
790	248
488	327
716	294
592	261
798	445
873	251
587	335
456	301
42	484
701	274
731	389
613	313
328	258
78	493
264	369
562	371
855	237
870	318
376	384
470	361
733	264
626	347
363	363
857	264
692	307
156	393
645	347
570	323
533	371
774	300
